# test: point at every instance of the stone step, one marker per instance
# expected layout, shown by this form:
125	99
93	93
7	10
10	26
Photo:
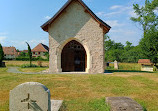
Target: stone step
56	105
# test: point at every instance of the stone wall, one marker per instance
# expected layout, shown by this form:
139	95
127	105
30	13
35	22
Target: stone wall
76	24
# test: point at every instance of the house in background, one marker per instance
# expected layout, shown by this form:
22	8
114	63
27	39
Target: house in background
146	64
40	50
25	51
10	52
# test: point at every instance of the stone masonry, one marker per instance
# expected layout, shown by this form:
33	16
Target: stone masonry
76	24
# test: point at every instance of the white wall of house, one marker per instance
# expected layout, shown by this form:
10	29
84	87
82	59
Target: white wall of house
37	54
7	56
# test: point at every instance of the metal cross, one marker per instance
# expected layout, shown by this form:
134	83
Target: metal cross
28	101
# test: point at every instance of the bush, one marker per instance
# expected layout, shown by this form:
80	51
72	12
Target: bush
28	65
33	59
39	63
154	68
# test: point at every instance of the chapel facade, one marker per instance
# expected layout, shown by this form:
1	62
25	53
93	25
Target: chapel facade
76	39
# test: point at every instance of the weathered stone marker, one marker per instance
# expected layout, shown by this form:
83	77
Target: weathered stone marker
116	65
30	96
123	104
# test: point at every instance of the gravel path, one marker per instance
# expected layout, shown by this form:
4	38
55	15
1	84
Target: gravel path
15	70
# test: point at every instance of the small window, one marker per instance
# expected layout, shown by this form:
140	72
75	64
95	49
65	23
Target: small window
33	52
38	52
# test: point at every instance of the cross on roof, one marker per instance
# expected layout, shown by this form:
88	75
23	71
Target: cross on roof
28	101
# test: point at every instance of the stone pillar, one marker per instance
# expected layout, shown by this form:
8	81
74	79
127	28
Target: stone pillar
116	65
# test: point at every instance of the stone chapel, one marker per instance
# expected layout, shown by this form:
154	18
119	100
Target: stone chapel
76	39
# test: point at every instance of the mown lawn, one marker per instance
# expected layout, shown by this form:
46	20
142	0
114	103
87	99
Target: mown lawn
19	63
126	66
87	92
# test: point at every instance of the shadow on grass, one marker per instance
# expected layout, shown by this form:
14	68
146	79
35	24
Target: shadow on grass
111	71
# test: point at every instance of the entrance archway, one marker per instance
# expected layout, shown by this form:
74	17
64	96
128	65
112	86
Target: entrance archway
73	57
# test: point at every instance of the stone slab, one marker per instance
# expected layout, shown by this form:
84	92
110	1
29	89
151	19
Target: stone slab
123	104
56	105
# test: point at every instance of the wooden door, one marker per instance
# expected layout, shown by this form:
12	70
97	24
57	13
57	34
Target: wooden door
73	57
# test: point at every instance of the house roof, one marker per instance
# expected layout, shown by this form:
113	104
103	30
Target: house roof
144	61
9	50
40	48
26	51
87	9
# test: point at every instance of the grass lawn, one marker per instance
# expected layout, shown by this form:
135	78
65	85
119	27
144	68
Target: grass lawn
19	63
126	66
87	92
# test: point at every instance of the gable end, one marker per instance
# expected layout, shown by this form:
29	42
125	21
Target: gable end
105	26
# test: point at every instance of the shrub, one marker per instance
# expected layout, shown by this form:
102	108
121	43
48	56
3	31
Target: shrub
154	68
21	58
28	65
39	63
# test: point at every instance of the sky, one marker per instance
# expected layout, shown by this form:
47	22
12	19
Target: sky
20	20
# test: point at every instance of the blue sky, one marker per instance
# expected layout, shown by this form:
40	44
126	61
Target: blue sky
20	20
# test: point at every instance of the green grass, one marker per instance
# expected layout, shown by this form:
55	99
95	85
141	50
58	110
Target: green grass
126	66
14	63
86	92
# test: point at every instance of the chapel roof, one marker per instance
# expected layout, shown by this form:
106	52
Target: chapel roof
87	9
41	48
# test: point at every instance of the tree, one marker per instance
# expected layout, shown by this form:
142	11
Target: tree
132	55
17	50
113	51
128	46
149	45
23	54
154	4
145	15
29	54
1	55
47	55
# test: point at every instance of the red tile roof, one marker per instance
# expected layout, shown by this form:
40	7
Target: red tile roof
9	50
25	51
144	61
40	48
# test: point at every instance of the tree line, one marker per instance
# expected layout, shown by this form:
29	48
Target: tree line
148	45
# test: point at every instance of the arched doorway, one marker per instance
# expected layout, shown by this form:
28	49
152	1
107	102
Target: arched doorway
73	57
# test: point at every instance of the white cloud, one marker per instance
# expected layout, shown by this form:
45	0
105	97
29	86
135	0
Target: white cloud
132	13
122	35
103	14
2	38
3	33
120	10
115	7
47	17
114	23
